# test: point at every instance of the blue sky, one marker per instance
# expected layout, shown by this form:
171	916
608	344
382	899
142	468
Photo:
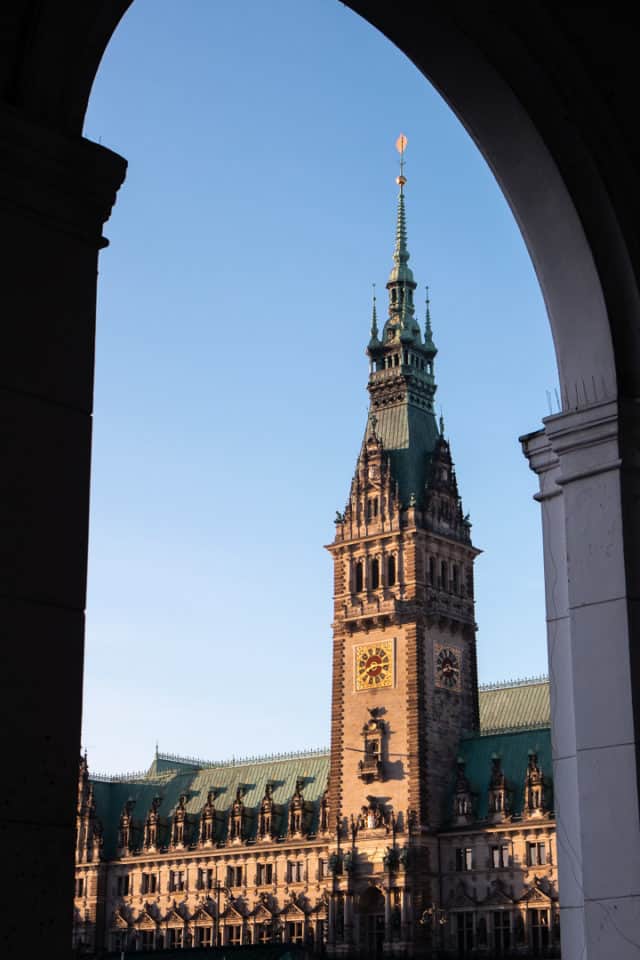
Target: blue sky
233	312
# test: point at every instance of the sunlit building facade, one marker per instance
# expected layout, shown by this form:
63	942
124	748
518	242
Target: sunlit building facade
428	825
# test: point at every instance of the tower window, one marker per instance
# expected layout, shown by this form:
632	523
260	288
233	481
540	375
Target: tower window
391	571
375	574
372	508
357	577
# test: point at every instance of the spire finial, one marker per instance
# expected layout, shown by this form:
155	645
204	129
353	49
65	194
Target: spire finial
401	271
441	423
428	332
401	146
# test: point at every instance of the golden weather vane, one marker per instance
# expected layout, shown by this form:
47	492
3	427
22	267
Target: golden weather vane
401	146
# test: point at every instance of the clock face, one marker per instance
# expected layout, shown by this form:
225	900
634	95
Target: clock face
374	665
448	667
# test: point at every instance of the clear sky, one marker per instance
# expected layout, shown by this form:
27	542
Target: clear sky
233	312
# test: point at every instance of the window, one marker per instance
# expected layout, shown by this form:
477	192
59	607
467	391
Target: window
455	578
323	869
432	571
122	886
500	856
536	854
444	579
295	870
391	571
375	574
295	931
464	858
205	878
147	939
235	935
357	577
265	874
539	920
464	932
234	876
501	931
79	886
204	936
148	883
264	933
176	936
372	508
176	880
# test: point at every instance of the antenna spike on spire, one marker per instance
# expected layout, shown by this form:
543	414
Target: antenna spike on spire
374	341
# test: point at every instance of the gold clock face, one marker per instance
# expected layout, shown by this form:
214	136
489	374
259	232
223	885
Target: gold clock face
374	665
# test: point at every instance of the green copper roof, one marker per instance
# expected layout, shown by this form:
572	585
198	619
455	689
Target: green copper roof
401	270
513	750
515	704
170	777
409	435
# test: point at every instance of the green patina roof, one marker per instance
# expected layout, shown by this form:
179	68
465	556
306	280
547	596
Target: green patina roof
409	435
513	750
514	718
170	777
515	704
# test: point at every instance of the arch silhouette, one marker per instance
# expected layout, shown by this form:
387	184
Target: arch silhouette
547	96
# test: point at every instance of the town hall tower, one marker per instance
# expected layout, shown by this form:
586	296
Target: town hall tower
404	656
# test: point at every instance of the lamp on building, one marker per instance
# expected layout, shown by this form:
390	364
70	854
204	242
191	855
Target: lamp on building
434	919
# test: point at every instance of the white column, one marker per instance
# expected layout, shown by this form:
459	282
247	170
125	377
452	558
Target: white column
598	831
544	462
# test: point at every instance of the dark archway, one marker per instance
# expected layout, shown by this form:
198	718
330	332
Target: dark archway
547	95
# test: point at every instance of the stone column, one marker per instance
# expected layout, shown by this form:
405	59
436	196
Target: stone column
577	458
405	914
387	915
55	194
331	920
348	917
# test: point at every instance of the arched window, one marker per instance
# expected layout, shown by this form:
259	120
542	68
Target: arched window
444	578
357	577
455	578
391	571
375	574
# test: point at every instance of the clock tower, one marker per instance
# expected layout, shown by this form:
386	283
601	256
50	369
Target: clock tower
404	648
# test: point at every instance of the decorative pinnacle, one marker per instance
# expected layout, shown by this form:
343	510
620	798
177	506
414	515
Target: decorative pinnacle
374	317
428	332
441	424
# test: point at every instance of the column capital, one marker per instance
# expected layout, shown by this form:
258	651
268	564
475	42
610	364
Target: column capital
585	441
543	461
69	183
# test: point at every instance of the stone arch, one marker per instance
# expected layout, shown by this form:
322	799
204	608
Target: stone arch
371	901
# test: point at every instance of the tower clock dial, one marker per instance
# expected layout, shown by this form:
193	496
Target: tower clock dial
448	667
374	665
